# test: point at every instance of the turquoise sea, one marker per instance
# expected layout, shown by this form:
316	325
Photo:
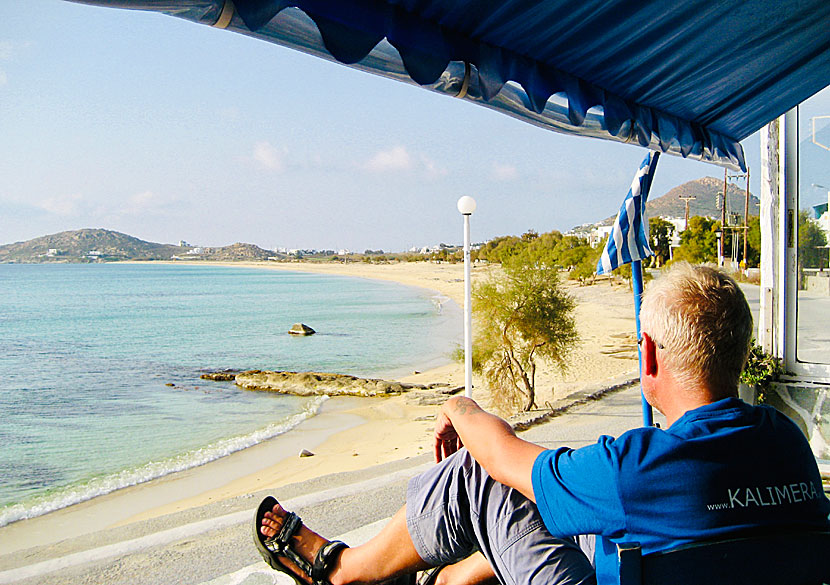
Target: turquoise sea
99	375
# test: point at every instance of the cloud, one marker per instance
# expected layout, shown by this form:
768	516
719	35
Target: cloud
395	159
269	156
5	50
399	159
68	205
502	172
433	169
3	78
74	205
142	203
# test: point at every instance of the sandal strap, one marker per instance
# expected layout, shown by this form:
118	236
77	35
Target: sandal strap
281	545
322	562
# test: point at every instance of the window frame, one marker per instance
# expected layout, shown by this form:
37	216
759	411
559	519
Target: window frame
787	246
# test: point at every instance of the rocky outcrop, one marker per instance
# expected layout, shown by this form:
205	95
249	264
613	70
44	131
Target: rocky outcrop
301	329
315	383
221	375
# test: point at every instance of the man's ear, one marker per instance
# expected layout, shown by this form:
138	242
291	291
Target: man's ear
648	355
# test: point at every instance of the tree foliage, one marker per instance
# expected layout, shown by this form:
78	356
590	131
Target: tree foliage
698	243
660	233
811	240
753	252
551	248
521	316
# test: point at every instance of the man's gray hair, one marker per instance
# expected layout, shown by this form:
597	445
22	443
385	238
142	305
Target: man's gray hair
701	318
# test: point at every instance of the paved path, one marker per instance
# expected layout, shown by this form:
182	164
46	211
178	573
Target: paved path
212	545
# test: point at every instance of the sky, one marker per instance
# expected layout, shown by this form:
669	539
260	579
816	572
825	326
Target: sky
168	130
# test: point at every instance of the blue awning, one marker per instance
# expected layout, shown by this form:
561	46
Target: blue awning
689	77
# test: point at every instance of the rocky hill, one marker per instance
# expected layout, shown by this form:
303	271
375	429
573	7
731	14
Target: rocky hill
85	246
235	252
100	245
705	192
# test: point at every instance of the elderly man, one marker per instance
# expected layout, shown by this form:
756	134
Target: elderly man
515	511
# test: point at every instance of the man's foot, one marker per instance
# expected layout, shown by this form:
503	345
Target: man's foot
287	545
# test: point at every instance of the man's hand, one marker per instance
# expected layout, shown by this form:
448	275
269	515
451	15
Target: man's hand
447	440
490	440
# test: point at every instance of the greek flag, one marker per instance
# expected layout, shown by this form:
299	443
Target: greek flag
628	241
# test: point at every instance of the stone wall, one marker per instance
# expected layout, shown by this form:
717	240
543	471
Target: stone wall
818	283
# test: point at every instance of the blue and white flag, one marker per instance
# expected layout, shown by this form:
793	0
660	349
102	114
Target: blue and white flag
628	241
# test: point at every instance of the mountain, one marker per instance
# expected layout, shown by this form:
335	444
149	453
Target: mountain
91	245
705	192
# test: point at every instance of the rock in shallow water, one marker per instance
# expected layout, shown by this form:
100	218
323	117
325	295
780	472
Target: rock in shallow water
301	329
316	383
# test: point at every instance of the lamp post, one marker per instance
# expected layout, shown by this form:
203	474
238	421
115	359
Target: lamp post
719	235
466	206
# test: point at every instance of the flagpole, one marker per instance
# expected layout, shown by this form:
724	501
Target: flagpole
637	285
628	243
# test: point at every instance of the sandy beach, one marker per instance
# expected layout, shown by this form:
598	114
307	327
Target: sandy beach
350	433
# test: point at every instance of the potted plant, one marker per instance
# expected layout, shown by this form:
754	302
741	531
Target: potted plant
761	368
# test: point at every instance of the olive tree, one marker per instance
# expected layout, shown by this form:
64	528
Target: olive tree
522	314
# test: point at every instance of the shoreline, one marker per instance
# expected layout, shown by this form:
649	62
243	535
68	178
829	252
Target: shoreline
230	475
349	433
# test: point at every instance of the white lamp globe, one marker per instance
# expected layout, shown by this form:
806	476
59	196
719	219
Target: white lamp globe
466	205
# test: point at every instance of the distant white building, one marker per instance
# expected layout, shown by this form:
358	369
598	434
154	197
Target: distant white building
679	224
599	235
196	251
822	216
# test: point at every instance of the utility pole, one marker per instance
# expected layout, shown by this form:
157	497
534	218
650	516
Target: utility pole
745	227
686	199
722	221
746	217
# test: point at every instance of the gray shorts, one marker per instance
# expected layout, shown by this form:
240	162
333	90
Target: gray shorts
456	509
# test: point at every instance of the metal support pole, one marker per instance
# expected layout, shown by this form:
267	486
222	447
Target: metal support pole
468	313
637	285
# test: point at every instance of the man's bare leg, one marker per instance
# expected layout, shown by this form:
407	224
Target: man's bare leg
389	554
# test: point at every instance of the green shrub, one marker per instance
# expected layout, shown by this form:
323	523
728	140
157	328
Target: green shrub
761	368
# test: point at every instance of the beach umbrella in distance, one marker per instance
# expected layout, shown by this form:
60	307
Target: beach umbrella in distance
628	244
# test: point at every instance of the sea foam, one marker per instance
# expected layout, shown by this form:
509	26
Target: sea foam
99	486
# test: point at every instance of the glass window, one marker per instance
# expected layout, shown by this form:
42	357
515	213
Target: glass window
813	309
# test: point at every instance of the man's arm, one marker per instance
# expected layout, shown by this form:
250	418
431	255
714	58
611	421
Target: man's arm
490	440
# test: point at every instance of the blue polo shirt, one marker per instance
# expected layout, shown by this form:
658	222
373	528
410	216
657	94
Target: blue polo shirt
722	468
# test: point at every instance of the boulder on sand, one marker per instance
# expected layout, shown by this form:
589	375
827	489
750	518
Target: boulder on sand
301	329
